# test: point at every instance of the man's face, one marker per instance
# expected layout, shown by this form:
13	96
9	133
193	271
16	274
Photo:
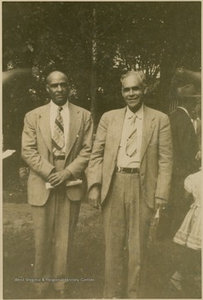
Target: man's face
57	87
133	91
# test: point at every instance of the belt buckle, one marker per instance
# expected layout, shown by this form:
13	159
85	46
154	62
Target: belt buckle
118	169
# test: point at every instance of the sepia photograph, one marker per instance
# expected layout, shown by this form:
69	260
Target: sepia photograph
101	150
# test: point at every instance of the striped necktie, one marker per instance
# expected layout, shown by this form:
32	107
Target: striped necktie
131	144
58	139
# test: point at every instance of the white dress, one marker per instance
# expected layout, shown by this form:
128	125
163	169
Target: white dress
189	233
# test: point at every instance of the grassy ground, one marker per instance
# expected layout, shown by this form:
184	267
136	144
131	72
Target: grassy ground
88	258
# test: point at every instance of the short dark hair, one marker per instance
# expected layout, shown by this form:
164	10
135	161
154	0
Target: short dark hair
53	72
54	68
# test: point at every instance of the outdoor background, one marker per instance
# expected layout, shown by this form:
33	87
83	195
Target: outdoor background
93	43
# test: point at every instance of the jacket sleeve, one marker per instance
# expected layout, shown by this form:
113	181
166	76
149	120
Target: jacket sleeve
79	164
30	152
94	171
165	159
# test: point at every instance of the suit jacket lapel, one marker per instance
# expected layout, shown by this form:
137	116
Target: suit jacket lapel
74	126
148	127
117	129
44	124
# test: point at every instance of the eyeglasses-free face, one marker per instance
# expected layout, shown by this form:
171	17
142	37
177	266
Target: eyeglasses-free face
133	91
57	87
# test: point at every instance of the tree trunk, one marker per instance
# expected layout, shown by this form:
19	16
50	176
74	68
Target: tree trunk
166	73
94	73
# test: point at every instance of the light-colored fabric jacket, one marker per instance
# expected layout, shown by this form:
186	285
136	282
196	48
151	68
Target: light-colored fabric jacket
156	154
37	151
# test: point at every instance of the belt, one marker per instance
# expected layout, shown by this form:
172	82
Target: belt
128	170
59	157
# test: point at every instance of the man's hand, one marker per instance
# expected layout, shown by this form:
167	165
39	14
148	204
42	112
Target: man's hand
56	178
94	196
160	203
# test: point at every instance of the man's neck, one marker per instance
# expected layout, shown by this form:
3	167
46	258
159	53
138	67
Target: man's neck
62	105
135	109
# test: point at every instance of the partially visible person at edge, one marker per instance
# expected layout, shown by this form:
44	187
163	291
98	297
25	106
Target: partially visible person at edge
56	145
189	76
189	238
185	151
129	175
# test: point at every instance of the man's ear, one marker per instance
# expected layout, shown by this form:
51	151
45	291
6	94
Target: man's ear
47	88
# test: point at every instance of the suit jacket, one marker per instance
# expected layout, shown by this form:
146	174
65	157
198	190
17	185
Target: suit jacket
37	151
156	154
185	144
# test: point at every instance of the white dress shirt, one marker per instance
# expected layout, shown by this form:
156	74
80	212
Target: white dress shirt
66	118
134	161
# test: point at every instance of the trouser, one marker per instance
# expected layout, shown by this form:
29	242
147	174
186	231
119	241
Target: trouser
54	225
126	224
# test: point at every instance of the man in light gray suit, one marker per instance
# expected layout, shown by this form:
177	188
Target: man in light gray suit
129	175
56	145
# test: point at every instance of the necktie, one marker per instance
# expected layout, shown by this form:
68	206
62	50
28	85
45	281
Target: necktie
131	144
58	139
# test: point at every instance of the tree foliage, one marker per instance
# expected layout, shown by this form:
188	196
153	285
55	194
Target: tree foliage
154	36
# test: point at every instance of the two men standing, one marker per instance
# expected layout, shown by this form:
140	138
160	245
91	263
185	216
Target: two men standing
56	145
129	174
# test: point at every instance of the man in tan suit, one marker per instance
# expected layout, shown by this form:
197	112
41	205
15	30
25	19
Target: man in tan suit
129	174
56	145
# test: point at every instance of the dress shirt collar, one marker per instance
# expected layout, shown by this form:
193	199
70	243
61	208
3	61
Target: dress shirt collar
54	107
138	114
